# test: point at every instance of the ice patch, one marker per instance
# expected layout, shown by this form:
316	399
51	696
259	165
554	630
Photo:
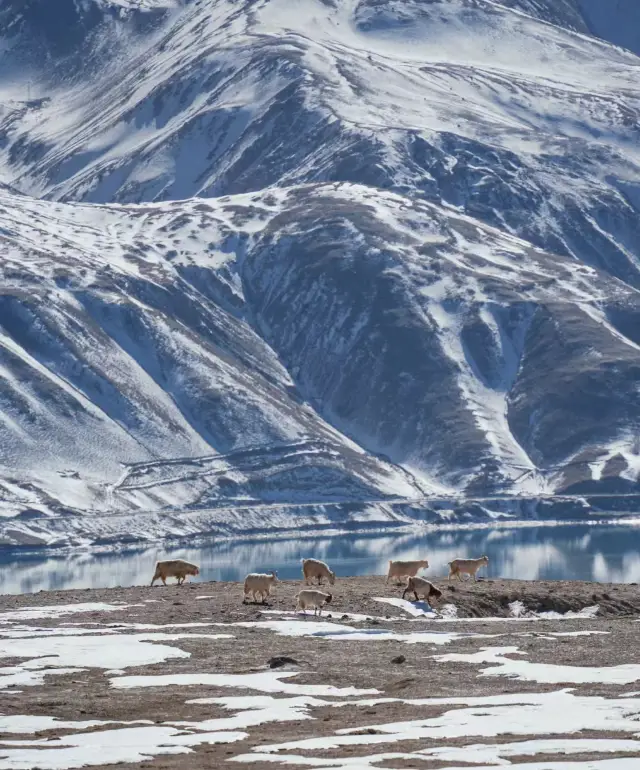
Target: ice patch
543	673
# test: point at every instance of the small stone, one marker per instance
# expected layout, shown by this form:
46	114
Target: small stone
281	660
398	659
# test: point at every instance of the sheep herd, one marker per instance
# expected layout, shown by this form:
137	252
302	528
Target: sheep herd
257	586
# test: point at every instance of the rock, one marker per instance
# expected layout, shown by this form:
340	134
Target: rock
281	660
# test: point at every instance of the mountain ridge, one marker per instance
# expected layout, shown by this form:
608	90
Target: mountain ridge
404	234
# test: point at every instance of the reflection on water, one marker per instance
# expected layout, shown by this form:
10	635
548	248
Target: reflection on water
600	553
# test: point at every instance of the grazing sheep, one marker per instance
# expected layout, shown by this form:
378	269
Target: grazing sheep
468	566
400	569
313	568
310	598
418	585
174	568
257	583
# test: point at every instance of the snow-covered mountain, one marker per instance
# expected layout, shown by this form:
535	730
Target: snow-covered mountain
297	251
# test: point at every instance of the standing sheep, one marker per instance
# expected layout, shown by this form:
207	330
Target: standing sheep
468	566
258	583
174	568
309	598
314	568
400	569
418	585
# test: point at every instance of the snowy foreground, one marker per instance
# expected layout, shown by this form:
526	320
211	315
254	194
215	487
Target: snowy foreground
299	252
142	675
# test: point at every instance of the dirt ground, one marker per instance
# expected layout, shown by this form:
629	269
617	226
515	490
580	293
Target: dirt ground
394	668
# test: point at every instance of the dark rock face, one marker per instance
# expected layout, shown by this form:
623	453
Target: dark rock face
388	254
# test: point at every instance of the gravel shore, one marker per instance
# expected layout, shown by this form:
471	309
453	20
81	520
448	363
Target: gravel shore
379	652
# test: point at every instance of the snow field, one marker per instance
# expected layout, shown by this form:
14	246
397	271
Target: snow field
538	723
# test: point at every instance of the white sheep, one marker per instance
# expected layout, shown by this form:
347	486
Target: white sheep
400	569
468	566
258	583
418	585
314	568
174	568
311	598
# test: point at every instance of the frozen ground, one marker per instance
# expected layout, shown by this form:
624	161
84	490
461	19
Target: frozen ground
94	679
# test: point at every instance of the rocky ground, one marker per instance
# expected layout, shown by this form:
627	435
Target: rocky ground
85	656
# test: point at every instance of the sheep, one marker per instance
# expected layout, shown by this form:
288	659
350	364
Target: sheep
313	568
400	569
468	566
174	568
257	583
311	598
418	585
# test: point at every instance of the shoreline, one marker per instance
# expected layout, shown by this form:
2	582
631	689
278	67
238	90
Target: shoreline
65	530
290	534
489	597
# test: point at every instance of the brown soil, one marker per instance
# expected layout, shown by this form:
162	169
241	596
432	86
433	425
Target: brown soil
363	664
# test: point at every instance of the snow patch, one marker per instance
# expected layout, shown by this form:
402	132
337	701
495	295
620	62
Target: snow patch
415	609
106	747
60	610
517	714
543	673
267	681
337	632
66	654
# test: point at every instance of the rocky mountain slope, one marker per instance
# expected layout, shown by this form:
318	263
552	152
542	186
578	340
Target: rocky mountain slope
308	251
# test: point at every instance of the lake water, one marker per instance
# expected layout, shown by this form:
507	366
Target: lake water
599	553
